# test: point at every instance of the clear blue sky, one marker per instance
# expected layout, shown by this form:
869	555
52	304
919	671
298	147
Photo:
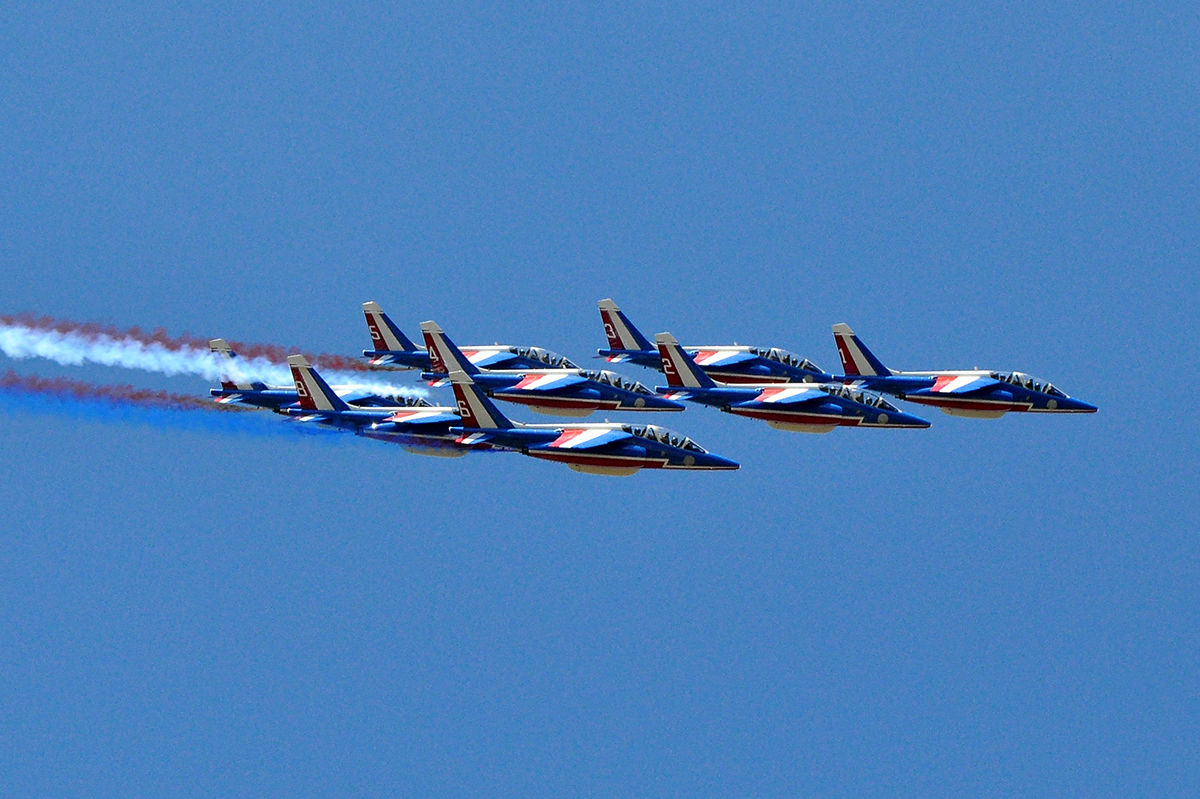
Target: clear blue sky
1002	608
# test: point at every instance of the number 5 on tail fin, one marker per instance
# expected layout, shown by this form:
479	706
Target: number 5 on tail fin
385	335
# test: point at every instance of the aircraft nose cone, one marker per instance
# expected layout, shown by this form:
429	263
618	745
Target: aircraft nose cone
1078	406
663	404
710	461
908	420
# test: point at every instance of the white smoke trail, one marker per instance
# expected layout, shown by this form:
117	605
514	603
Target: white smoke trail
75	349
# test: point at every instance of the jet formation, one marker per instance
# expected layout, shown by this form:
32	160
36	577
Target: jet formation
768	384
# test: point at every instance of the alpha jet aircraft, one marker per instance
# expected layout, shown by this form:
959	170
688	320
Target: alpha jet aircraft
419	427
797	407
609	448
235	388
393	348
725	364
977	394
555	392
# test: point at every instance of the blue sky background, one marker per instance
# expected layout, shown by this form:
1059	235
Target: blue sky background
984	608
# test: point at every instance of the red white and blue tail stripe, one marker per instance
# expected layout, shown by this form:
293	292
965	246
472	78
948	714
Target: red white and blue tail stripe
857	360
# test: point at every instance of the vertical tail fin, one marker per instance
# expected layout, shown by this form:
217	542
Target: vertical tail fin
679	367
857	360
231	376
315	393
474	407
622	335
444	357
385	336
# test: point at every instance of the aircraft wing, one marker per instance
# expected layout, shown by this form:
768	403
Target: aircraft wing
422	416
715	358
487	358
961	384
791	395
585	438
550	382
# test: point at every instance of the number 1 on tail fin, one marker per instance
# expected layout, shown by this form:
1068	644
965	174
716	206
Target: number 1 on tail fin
857	360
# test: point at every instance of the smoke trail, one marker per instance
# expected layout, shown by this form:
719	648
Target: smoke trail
267	352
62	388
74	344
22	393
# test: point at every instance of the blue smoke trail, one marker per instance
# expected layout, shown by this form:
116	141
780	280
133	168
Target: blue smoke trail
124	405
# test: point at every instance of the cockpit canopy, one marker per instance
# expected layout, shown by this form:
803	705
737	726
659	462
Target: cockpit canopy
616	381
862	397
785	357
551	359
1028	382
662	435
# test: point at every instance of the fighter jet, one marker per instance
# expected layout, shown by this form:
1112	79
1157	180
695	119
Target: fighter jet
796	407
393	348
555	392
608	448
979	394
419	427
236	388
724	363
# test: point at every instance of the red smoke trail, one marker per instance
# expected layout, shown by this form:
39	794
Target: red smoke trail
271	352
120	395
